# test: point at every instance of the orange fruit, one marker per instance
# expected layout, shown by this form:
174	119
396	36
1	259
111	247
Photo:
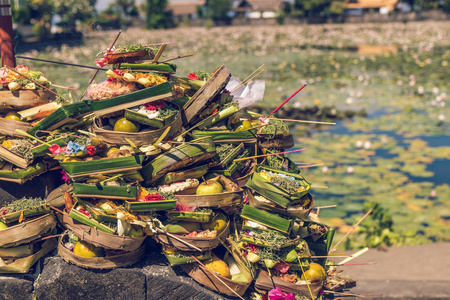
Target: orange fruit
125	125
12	115
218	266
85	249
219	223
315	273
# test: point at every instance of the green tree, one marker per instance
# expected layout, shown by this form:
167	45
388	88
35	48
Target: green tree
127	7
446	6
218	10
41	17
73	11
157	15
312	8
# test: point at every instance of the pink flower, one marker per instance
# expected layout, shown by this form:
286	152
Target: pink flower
54	149
91	150
277	294
282	267
65	177
184	207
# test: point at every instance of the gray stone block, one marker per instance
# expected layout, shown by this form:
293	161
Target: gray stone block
13	287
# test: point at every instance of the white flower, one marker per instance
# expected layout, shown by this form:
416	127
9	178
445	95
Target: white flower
325	169
435	90
433	193
399	82
350	170
297	104
349	100
420	90
441	117
367	145
359	144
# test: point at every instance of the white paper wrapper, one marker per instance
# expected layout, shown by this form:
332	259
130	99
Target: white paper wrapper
247	95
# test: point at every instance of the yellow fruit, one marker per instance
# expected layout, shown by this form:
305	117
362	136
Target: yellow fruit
315	273
85	249
218	223
218	266
111	150
244	126
70	159
169	250
264	175
12	115
3	225
125	125
209	187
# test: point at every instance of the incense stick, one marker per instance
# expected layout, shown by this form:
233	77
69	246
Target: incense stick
328	206
179	56
31	137
285	101
304	121
255	73
42	86
303	271
60	63
356	264
350	231
217	277
265	155
355	255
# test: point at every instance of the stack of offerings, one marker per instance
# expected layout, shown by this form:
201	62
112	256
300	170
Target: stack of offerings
149	153
26	229
26	98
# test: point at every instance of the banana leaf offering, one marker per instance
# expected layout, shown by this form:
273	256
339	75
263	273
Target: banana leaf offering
155	114
179	157
76	169
23	208
122	192
281	187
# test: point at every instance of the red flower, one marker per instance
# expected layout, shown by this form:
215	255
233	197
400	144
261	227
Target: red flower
277	294
193	76
154	105
54	149
154	197
91	150
65	177
101	62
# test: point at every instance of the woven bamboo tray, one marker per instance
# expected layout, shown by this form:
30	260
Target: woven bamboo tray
99	238
107	262
27	231
204	244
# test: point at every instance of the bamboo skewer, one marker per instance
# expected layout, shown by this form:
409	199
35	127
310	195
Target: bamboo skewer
64	87
179	56
355	264
355	255
310	166
350	231
265	155
327	206
217	277
285	101
303	271
96	72
26	77
319	186
304	121
178	239
31	137
60	63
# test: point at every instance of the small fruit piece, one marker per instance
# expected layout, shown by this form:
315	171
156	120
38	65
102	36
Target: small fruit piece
209	187
125	125
3	225
315	273
217	223
85	249
244	126
136	231
12	115
111	150
71	159
218	266
169	250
